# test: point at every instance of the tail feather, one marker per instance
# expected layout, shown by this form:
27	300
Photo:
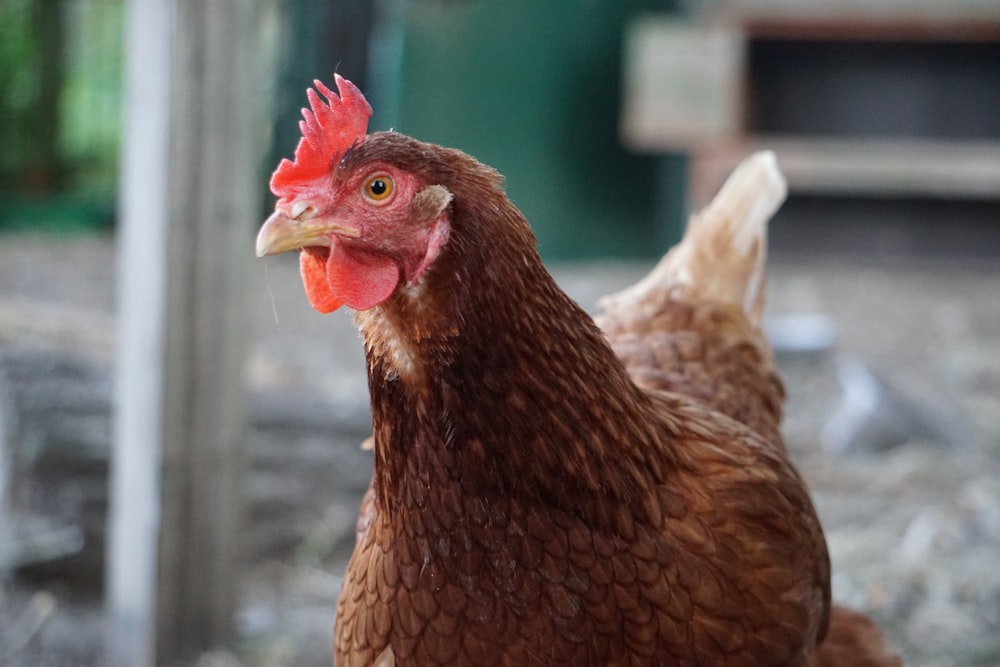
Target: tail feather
723	253
692	326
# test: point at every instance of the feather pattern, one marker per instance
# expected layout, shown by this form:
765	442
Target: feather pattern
532	504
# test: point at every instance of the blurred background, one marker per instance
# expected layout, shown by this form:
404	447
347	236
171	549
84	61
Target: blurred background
610	121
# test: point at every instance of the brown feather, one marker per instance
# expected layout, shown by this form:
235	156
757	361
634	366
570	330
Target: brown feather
536	501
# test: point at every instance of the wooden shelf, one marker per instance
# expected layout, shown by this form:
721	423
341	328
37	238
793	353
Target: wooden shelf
688	89
933	15
867	167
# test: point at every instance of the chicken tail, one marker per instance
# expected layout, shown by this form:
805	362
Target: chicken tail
722	255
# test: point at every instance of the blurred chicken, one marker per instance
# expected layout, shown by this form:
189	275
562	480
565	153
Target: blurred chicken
692	325
536	501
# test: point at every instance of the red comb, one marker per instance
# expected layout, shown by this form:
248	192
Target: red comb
328	130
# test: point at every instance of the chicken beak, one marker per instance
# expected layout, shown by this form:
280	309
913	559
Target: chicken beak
283	231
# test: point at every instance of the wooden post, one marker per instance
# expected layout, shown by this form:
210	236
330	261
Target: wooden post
190	189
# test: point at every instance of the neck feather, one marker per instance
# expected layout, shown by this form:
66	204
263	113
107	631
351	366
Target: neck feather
487	376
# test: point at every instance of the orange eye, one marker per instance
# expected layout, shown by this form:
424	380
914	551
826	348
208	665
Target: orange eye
379	188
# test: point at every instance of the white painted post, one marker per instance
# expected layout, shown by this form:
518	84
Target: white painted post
190	189
134	515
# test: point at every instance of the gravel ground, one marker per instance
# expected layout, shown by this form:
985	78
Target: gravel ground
894	421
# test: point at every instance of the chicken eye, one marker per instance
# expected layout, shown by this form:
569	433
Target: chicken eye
379	188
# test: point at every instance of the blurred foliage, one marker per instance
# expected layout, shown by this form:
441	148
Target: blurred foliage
90	105
19	57
60	99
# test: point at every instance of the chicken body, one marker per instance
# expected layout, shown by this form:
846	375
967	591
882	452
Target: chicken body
536	501
532	505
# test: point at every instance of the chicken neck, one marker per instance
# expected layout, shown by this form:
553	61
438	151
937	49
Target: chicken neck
487	381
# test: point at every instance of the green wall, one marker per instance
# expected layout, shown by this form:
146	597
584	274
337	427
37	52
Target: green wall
532	88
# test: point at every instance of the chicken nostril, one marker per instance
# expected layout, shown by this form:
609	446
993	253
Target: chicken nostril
299	208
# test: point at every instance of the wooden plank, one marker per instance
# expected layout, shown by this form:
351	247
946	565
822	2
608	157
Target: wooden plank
943	15
190	197
860	28
681	85
869	167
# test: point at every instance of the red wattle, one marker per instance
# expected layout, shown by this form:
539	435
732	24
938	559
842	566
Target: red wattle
360	279
312	266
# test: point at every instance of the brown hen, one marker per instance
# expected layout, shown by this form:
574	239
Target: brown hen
538	499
